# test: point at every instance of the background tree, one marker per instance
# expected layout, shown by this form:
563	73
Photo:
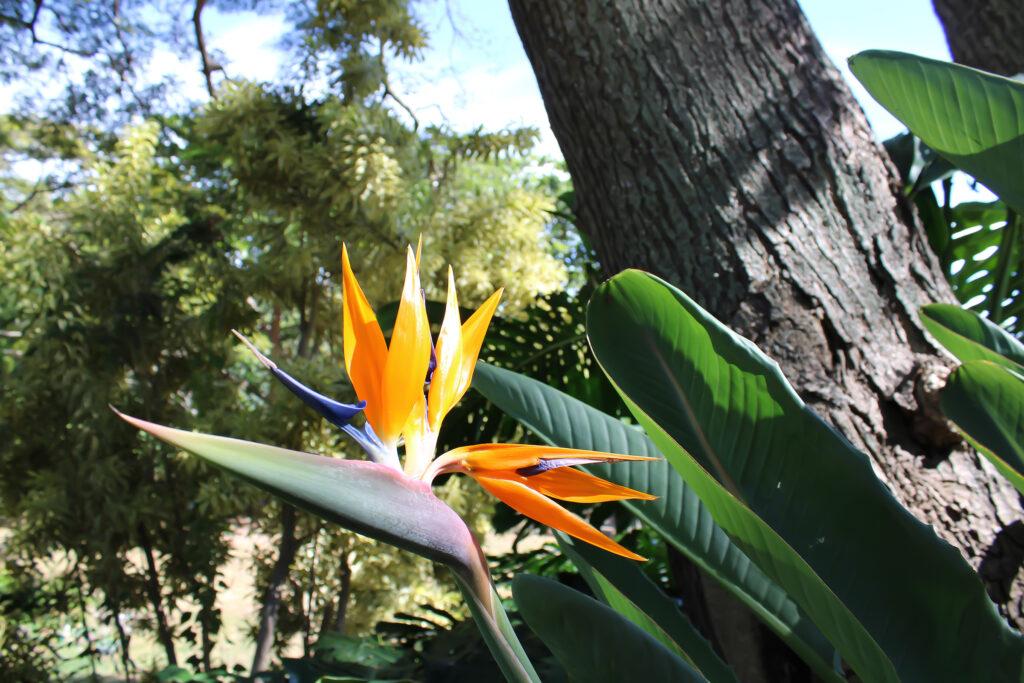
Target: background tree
987	35
715	145
132	252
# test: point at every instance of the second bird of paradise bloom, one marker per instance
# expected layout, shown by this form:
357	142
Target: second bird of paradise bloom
407	387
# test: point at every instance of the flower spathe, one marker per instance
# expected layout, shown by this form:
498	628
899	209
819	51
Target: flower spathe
523	476
406	397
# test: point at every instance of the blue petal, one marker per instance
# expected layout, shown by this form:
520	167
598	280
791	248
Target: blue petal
335	412
554	463
369	442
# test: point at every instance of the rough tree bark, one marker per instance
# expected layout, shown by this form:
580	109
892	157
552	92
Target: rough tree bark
714	144
985	34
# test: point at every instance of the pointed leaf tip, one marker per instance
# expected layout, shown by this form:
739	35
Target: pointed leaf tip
256	352
366	497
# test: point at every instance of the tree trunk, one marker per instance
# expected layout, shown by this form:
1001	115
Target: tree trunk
714	144
155	597
272	596
985	34
344	595
123	641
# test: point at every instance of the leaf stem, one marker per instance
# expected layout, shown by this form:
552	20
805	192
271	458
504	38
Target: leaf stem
497	632
1007	247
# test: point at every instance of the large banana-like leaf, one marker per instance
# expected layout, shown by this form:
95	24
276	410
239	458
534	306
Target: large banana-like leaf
374	500
987	403
592	641
968	336
624	587
899	603
678	514
974	119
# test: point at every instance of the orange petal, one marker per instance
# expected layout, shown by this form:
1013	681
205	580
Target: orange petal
365	350
535	506
407	359
509	456
473	332
576	486
418	446
444	383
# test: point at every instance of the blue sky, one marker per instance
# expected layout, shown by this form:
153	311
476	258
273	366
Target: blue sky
476	73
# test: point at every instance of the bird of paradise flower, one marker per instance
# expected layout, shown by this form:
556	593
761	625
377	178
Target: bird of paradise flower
405	389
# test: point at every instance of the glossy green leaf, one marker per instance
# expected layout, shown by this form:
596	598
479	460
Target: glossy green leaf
987	403
896	601
591	640
376	501
968	336
678	514
623	586
974	119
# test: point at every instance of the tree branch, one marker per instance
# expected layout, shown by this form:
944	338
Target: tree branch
30	26
204	56
388	92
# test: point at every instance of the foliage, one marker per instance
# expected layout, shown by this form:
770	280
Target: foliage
973	121
622	585
205	219
678	517
126	261
977	243
984	396
976	120
713	403
583	632
96	64
968	116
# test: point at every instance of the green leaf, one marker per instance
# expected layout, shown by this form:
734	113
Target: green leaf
968	336
678	514
896	601
974	119
174	673
987	403
592	641
498	632
984	260
622	585
376	501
